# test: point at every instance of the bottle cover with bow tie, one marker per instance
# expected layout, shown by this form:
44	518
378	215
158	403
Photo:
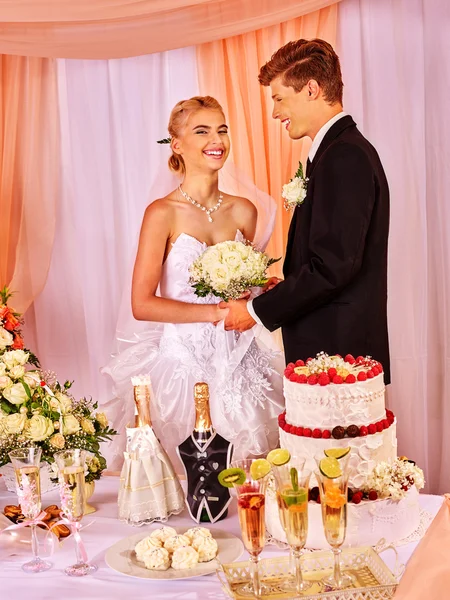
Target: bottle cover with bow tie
204	455
149	488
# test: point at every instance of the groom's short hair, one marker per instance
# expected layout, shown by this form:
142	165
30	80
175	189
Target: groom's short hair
299	61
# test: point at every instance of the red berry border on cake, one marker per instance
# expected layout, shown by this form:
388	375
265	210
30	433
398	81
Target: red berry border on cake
367	369
338	433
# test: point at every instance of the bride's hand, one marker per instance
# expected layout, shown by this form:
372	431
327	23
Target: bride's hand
273	281
220	314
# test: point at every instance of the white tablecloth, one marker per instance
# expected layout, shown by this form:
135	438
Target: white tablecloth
106	583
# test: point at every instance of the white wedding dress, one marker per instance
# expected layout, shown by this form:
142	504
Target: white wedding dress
244	372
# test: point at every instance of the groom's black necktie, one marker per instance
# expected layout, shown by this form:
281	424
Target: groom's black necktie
308	167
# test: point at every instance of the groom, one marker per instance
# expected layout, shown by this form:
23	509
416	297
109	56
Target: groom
334	294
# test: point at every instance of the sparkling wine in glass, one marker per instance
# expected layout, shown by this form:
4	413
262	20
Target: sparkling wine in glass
292	484
71	467
251	512
332	477
26	463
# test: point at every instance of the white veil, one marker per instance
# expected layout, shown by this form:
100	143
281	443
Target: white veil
129	331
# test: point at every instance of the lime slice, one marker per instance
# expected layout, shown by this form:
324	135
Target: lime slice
279	457
292	497
337	452
259	468
330	467
231	477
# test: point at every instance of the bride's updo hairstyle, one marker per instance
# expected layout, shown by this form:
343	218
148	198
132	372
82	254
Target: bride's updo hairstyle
178	119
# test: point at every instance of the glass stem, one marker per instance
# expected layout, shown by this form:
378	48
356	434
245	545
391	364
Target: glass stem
337	566
34	543
77	544
254	574
298	571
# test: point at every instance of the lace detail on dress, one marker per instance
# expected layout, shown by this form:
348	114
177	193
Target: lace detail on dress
250	381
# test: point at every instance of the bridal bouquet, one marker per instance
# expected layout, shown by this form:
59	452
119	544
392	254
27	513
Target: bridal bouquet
228	269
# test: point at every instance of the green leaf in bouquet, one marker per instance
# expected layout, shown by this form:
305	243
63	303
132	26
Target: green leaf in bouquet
27	388
33	359
272	261
6	407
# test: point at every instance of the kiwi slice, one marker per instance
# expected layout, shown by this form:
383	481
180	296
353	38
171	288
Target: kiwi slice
231	477
294	478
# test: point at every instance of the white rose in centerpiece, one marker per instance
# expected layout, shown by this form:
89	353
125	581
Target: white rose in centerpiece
5	382
70	425
57	441
294	192
39	428
32	379
87	426
15	357
17	372
102	420
2	369
53	403
65	403
15	394
6	338
14	423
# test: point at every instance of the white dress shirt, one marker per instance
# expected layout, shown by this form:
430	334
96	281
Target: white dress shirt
318	138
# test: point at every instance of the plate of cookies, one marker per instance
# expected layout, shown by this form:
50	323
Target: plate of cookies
52	515
173	553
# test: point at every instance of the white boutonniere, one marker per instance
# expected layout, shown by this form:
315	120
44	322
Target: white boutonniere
294	192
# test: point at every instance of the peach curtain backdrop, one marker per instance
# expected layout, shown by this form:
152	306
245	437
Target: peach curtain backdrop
29	163
228	70
123	28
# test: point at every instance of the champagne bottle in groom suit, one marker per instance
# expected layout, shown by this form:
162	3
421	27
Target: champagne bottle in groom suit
204	455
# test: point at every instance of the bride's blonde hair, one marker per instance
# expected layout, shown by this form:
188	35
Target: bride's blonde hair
178	119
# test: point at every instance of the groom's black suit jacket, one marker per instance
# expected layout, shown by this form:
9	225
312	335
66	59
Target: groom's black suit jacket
333	297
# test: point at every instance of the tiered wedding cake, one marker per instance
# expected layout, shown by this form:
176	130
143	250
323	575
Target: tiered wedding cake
333	402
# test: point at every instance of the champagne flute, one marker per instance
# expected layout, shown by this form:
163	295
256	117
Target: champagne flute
26	463
251	512
292	485
333	484
71	466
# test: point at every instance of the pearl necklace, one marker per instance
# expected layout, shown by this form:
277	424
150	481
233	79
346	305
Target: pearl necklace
208	211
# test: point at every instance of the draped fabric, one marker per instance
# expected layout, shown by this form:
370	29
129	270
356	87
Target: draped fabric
29	165
122	28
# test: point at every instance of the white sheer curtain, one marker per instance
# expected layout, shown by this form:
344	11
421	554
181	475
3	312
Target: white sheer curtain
112	114
395	60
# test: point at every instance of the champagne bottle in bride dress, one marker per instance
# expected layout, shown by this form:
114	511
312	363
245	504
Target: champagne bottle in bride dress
149	488
204	455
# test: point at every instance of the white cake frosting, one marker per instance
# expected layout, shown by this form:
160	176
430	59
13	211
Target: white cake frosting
360	403
317	418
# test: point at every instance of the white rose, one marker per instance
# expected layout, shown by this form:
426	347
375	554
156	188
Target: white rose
65	403
32	379
15	394
294	191
220	276
15	357
2	369
70	425
17	372
6	338
57	441
14	423
5	382
87	426
53	403
39	428
102	420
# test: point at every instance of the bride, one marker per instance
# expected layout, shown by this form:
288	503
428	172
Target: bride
191	344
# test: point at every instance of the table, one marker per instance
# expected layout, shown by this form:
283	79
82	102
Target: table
106	583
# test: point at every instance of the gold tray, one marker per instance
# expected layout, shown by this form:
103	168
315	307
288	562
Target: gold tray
373	580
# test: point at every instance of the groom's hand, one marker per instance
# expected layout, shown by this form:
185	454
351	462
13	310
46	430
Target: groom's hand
238	317
273	281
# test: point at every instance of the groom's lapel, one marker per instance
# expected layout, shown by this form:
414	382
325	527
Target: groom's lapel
334	131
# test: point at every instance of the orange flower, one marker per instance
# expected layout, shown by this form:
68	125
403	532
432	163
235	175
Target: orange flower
4	312
10	323
18	342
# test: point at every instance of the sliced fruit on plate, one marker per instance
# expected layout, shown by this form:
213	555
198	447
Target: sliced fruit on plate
337	452
259	468
231	477
330	467
279	457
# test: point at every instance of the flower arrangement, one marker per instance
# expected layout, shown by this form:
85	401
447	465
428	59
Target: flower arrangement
228	269
294	192
37	410
393	480
10	323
